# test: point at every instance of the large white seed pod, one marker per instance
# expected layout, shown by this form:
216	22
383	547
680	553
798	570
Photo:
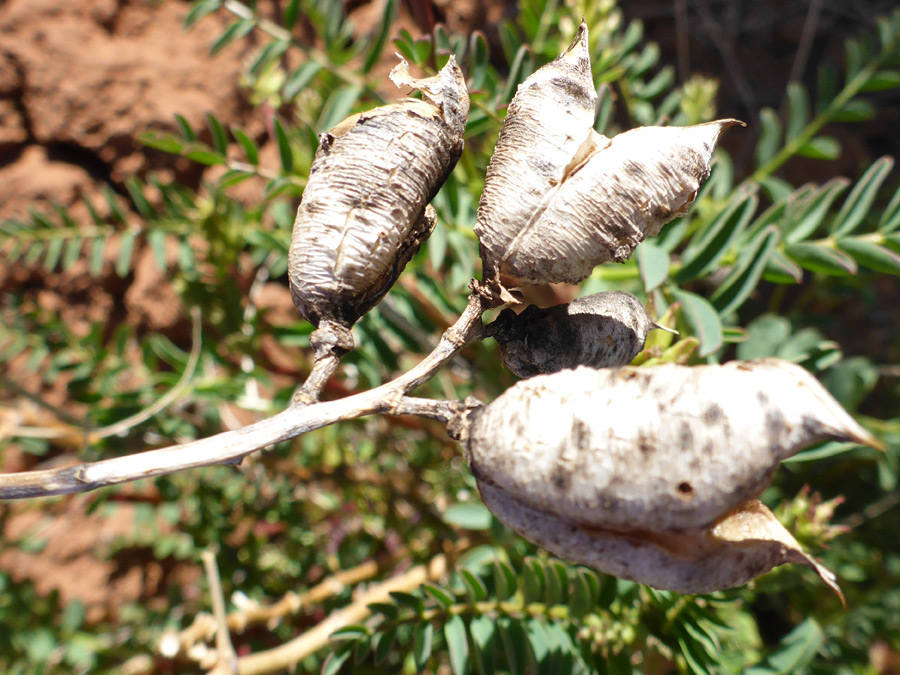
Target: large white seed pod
664	448
624	191
743	544
549	119
363	211
600	330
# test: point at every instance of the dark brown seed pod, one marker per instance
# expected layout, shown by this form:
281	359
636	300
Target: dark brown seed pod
549	119
663	448
363	212
740	546
599	330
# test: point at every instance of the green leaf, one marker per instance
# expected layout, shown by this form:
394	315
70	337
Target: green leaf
780	270
414	602
334	661
653	264
157	242
457	645
251	150
423	639
267	55
890	217
337	107
483	629
126	250
388	609
52	253
715	239
387	19
200	10
811	209
479	60
742	280
534	580
769	136
166	142
475	588
220	138
442	597
138	199
871	255
855	110
504	580
470	515
96	258
861	197
796	650
821	258
291	14
881	80
203	154
284	147
234	177
383	643
798	111
820	147
851	380
72	252
515	644
702	319
299	79
234	32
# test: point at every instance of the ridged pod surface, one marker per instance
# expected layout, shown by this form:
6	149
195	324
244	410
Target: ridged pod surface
664	448
560	199
600	330
363	211
548	120
740	546
624	191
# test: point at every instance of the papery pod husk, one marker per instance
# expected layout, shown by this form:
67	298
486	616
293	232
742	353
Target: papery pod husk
363	212
600	330
549	119
661	448
621	193
741	545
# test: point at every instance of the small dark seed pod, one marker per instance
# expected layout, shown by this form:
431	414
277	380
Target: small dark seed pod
599	330
661	448
363	213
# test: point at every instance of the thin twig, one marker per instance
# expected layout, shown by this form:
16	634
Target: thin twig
288	654
79	430
226	661
232	446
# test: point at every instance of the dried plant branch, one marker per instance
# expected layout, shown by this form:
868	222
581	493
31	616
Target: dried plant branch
226	661
288	654
232	446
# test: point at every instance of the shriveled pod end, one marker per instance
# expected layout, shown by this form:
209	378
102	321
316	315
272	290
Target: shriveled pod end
744	544
600	330
446	90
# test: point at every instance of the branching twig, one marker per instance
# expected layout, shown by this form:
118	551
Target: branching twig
232	446
284	656
226	661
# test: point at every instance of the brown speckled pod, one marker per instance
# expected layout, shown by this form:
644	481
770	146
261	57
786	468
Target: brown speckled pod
662	448
599	330
363	212
549	119
560	199
741	545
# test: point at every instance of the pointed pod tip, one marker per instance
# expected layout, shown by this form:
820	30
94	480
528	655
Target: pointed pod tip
578	52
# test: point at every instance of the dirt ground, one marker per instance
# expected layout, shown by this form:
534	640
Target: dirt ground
80	81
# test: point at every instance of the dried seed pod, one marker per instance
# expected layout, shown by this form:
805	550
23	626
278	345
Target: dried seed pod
559	198
662	448
618	195
743	544
363	212
548	120
599	330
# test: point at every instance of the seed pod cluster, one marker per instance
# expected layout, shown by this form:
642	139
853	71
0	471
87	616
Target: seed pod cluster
645	453
599	330
560	199
363	213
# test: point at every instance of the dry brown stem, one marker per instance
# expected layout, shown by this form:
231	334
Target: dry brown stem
232	446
